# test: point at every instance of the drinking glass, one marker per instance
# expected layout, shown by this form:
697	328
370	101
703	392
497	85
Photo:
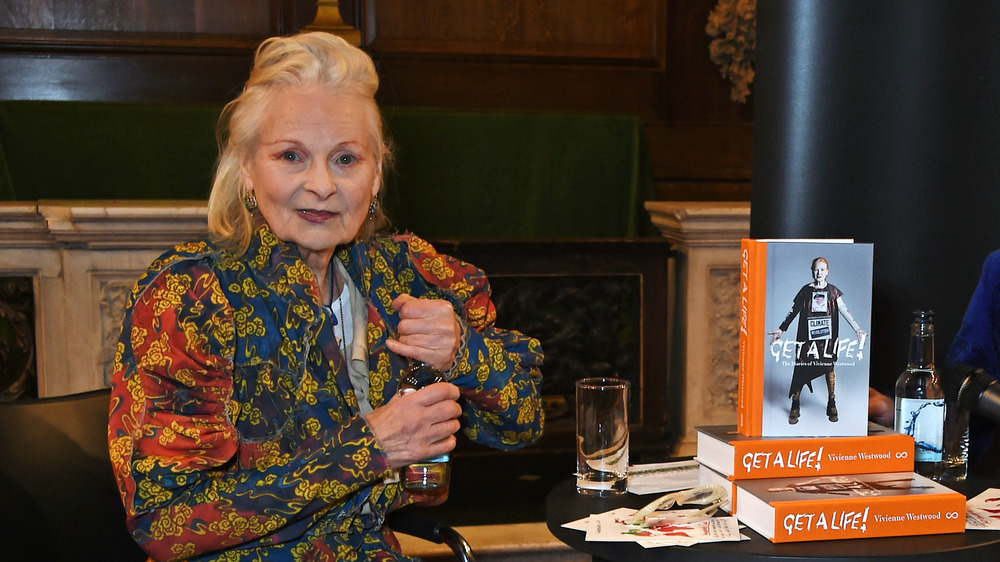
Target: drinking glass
602	436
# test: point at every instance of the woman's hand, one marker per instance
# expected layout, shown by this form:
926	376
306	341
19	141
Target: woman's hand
881	408
419	425
775	335
862	338
428	331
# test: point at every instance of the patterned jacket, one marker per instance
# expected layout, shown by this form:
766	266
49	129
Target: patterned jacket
234	429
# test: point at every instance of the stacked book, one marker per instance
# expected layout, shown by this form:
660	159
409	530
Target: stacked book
803	463
822	488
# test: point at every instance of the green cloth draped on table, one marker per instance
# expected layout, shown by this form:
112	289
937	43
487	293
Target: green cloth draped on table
459	174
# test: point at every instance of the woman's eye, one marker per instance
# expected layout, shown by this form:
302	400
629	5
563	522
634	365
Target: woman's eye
345	159
290	156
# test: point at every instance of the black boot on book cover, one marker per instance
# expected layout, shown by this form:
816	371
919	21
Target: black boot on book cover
793	414
831	404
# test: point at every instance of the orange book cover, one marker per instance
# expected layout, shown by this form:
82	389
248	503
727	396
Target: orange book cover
740	457
804	366
884	504
751	329
744	362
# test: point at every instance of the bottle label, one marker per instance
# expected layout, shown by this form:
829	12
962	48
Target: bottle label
924	421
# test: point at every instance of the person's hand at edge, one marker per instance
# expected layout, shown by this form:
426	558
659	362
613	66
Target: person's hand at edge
881	408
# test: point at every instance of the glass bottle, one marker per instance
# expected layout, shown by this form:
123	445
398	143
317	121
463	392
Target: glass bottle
428	479
920	403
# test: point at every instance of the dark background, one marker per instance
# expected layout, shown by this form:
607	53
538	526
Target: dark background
878	121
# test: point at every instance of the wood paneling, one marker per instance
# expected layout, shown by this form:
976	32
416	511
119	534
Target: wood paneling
184	51
555	56
492	85
141	78
700	151
624	31
176	16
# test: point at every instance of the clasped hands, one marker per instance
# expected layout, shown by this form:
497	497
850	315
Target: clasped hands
422	424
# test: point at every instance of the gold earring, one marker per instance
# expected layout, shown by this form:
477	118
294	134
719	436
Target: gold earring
250	201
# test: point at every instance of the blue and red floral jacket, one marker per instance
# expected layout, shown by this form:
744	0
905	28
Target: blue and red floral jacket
234	430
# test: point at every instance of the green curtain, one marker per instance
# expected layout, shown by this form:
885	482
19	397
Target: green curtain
508	175
458	174
91	150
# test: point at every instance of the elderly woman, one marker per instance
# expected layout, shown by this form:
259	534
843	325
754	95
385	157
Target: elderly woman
817	305
255	411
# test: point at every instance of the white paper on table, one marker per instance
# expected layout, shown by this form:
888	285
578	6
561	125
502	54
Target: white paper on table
612	526
983	511
578	525
656	543
662	477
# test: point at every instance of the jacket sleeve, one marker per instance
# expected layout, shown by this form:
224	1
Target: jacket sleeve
497	370
793	312
188	484
978	344
979	334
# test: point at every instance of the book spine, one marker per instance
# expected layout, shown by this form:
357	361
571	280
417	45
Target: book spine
775	458
742	424
853	518
745	401
758	336
753	277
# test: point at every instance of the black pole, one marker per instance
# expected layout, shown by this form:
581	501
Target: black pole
880	121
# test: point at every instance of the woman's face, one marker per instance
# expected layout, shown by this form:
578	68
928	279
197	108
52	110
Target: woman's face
820	271
315	170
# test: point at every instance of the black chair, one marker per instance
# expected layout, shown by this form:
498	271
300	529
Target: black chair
58	497
409	520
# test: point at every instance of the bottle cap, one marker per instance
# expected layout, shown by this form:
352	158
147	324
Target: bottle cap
421	375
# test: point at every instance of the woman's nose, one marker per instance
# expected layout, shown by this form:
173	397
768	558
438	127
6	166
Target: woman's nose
321	180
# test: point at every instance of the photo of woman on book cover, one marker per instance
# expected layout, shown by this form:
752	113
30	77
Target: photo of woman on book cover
816	306
818	348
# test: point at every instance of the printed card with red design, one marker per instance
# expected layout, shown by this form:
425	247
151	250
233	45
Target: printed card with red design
614	526
983	511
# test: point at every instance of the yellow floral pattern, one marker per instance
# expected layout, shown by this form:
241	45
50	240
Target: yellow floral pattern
235	432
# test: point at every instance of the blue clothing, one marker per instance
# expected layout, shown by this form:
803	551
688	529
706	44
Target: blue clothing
978	344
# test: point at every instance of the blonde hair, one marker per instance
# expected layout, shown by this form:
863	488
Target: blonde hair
314	58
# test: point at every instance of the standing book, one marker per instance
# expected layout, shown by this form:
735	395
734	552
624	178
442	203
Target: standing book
885	504
740	457
803	363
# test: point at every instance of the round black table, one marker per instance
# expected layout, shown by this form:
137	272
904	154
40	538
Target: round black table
564	505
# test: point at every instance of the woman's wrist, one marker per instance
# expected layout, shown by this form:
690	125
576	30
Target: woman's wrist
460	352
